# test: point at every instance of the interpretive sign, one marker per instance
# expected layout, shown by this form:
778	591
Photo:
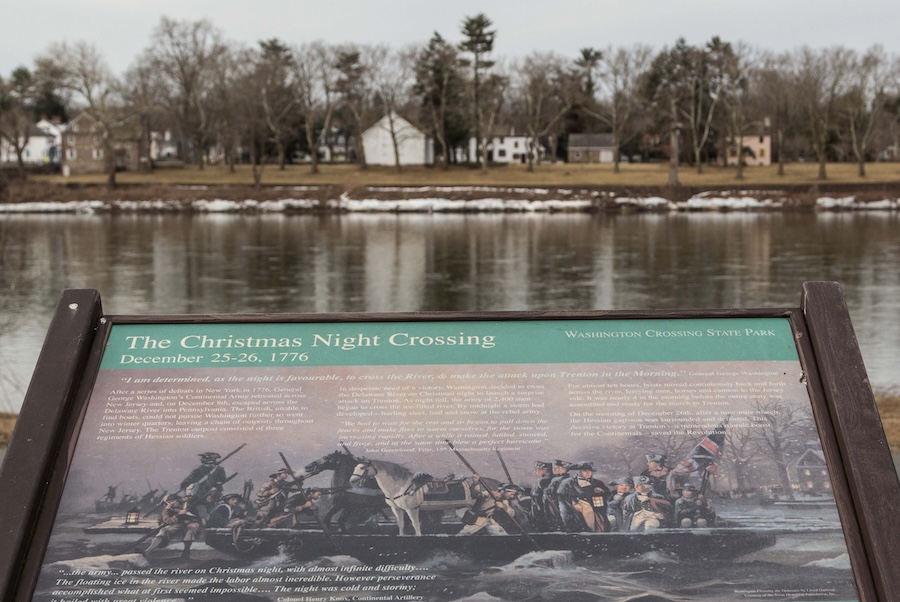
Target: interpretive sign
448	457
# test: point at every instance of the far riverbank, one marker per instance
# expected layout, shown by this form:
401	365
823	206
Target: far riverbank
549	187
47	197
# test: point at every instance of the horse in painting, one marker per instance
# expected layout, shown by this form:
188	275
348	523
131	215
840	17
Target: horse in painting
399	486
350	504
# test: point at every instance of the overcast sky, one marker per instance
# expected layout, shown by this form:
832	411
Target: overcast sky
121	29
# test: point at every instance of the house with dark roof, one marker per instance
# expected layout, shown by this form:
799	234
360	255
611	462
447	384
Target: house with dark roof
591	148
811	473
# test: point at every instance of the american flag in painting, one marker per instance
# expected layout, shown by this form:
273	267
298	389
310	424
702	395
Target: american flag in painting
702	457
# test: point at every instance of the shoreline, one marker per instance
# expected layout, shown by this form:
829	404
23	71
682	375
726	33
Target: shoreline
333	199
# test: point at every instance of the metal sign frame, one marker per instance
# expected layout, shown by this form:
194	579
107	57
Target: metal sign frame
865	483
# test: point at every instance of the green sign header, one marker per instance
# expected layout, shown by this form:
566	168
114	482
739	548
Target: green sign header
221	345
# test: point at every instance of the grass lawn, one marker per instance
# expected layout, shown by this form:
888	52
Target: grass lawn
560	174
889	408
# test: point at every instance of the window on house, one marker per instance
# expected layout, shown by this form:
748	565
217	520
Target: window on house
97	154
516	144
70	154
70	140
74	127
760	139
501	152
762	153
516	156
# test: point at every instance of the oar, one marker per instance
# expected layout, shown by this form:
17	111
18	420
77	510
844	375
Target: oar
314	513
512	518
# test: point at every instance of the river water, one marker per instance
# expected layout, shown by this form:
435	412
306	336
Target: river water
217	263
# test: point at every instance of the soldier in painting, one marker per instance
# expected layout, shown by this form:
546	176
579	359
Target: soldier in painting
147	500
209	475
560	472
273	494
110	493
693	509
538	516
645	510
177	521
492	513
623	488
229	509
657	471
298	504
582	500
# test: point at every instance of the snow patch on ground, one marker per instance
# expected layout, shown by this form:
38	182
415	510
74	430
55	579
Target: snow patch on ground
652	202
431	201
730	202
839	562
439	205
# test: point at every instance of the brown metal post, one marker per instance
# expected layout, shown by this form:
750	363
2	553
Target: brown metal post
35	444
860	436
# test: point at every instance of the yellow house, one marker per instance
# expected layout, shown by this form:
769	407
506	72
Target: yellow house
757	150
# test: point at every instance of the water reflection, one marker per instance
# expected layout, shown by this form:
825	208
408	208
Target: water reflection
274	263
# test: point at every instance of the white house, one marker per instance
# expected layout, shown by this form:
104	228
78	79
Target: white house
502	148
413	146
44	142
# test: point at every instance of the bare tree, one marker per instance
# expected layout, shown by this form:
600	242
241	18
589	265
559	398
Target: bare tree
620	79
79	68
355	89
228	82
493	96
184	54
251	72
821	80
742	449
586	66
141	87
16	114
708	80
537	87
773	85
316	78
736	69
781	431
392	76
870	76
